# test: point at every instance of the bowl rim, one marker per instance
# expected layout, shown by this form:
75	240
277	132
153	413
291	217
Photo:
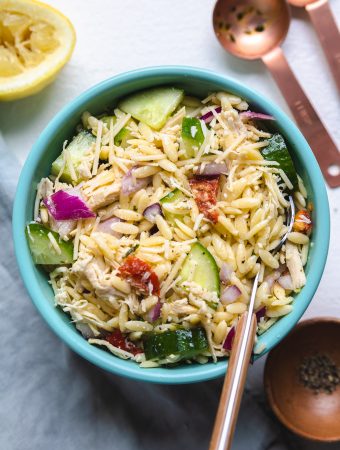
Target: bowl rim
98	356
267	380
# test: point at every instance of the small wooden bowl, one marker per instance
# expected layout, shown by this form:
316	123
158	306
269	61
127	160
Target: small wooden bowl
313	416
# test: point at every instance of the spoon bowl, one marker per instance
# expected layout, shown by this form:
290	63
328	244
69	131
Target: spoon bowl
250	28
254	29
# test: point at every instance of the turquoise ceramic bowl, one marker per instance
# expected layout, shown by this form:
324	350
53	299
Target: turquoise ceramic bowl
197	82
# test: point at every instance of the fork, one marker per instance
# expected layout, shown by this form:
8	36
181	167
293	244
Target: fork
235	377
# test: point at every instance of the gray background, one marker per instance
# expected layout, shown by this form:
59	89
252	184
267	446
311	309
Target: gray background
49	397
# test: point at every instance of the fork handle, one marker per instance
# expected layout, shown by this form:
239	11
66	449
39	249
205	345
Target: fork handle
223	429
329	35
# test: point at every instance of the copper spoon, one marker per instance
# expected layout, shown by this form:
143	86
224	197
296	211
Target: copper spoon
235	377
323	21
254	29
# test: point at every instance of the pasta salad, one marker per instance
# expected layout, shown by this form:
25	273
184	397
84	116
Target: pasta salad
157	216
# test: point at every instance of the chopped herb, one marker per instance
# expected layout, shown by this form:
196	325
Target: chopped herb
232	37
319	374
131	250
259	28
153	230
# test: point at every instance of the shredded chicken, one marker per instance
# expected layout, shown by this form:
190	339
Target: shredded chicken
294	264
45	187
179	307
95	276
92	271
101	190
81	263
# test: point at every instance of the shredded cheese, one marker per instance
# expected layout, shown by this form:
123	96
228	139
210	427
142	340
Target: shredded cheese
286	179
70	165
198	221
232	147
172	275
76	240
61	171
54	243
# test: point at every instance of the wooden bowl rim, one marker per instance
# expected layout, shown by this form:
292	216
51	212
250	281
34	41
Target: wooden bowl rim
267	382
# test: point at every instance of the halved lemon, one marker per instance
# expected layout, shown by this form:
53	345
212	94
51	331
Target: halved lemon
36	41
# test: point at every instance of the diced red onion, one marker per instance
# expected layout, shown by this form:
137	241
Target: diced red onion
208	117
226	272
213	169
63	227
271	278
64	206
152	211
105	227
286	282
256	115
155	312
85	330
200	177
274	276
230	294
228	343
260	313
130	184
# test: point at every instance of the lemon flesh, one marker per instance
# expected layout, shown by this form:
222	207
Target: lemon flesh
36	41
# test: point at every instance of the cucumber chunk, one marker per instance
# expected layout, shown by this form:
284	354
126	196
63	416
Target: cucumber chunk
192	136
77	149
173	197
41	248
181	343
201	268
276	150
123	135
107	120
152	106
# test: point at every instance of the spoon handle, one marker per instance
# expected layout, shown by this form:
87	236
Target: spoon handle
306	117
329	35
234	382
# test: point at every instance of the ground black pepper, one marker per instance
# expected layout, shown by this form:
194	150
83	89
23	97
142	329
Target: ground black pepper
319	373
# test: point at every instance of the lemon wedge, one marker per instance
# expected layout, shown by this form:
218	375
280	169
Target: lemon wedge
36	41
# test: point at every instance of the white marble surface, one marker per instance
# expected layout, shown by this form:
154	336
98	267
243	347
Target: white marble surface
118	35
123	35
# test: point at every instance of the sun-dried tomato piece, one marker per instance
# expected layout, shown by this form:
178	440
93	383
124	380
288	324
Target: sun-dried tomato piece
303	222
140	275
205	194
117	339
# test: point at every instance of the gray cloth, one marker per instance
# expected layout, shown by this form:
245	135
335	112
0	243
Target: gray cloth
51	399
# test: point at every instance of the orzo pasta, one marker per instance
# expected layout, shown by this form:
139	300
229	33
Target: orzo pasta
156	218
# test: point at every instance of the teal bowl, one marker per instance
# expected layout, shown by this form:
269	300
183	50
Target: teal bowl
197	82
